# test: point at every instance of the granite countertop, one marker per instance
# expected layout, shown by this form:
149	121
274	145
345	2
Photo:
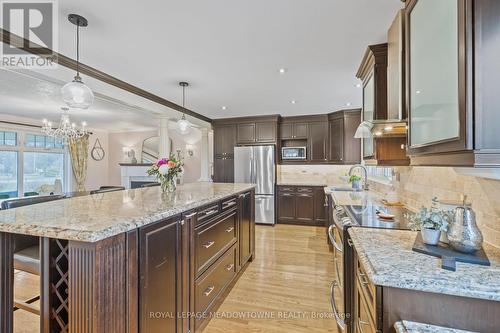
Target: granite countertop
406	326
387	256
301	183
356	198
99	216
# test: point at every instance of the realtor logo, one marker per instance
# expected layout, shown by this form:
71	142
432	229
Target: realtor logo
33	29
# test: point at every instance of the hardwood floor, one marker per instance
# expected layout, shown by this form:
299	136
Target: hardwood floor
287	285
288	281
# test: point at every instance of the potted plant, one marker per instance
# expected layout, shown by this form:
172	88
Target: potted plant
166	171
355	181
430	221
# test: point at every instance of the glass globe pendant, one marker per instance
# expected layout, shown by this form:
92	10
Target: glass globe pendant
183	125
76	94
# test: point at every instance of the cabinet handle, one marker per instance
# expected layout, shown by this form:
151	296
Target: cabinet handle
360	327
362	278
209	290
230	229
190	215
230	267
332	238
349	241
228	204
243	195
182	222
287	195
210	212
305	195
209	244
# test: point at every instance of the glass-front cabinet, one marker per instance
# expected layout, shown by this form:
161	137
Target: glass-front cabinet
368	114
436	76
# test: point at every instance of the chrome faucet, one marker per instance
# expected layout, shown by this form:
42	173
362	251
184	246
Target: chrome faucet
365	174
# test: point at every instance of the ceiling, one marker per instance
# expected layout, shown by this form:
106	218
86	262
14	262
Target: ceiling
33	96
230	50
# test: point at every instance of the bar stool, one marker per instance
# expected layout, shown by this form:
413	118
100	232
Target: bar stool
27	249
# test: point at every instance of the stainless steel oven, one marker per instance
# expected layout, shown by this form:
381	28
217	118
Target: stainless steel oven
293	153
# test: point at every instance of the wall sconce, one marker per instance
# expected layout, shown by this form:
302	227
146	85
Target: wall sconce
190	150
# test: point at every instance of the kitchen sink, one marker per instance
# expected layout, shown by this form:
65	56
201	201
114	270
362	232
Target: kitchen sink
345	189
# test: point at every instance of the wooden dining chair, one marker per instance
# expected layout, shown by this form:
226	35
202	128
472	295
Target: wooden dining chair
27	249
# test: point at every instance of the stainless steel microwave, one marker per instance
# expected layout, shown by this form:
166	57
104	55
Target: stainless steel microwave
293	153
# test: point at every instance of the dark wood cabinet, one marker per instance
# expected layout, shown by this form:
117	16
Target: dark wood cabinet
161	276
454	124
320	205
246	228
304	207
224	143
343	147
301	205
293	130
265	132
318	141
246	133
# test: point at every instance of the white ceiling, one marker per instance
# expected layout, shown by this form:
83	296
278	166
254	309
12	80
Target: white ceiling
228	50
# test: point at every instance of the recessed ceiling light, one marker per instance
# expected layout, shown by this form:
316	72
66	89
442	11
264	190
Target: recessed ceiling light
293	101
418	91
388	128
282	70
348	103
358	85
224	107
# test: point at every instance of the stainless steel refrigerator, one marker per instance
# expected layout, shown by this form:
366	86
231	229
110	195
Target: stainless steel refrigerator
256	165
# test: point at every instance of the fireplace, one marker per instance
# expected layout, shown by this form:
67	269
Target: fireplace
135	175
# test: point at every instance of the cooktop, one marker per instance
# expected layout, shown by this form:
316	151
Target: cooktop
366	216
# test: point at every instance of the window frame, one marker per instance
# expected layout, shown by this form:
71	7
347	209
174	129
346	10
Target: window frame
21	148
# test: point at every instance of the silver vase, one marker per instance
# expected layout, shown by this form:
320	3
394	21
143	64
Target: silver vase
463	234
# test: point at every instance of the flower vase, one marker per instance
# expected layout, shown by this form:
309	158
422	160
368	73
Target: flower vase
168	185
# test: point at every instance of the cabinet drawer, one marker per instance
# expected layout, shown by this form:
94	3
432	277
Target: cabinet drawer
229	203
214	238
205	213
364	323
367	288
304	190
214	281
286	189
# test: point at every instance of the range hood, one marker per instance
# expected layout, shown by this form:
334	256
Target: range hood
381	128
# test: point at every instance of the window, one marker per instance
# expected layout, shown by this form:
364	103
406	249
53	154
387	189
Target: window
380	173
8	138
8	174
31	164
43	141
42	171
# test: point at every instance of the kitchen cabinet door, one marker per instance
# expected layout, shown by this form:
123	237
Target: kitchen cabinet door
160	248
219	174
336	140
319	206
304	210
318	138
434	86
286	131
245	227
246	133
265	132
300	130
286	206
228	170
368	115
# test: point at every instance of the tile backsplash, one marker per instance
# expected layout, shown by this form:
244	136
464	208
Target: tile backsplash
416	186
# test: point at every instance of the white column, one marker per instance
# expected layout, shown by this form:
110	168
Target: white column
164	144
205	172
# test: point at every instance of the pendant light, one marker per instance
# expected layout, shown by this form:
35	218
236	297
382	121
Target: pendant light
76	94
183	124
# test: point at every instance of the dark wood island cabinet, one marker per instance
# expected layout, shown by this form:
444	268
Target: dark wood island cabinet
162	271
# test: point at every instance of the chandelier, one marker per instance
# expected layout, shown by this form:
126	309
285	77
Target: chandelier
66	129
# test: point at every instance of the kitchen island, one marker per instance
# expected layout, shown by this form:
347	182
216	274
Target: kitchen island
133	261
